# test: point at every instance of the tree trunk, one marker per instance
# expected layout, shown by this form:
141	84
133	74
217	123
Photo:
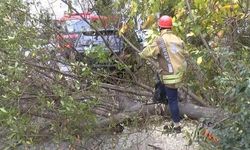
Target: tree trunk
144	110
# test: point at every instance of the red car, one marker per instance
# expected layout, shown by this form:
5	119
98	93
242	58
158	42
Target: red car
71	25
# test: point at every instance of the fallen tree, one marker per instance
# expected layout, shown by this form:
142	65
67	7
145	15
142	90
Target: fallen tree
122	103
132	109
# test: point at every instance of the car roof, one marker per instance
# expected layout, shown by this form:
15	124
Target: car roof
87	15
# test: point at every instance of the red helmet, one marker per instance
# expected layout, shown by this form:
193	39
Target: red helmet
165	22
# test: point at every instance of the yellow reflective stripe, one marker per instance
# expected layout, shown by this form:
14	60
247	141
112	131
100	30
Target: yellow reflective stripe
171	79
175	76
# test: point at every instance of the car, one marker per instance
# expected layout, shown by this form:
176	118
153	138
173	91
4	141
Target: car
71	26
107	40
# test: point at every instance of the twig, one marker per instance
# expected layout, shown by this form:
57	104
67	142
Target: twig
122	89
155	147
195	97
51	69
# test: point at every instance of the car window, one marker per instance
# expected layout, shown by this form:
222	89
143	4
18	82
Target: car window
79	25
74	26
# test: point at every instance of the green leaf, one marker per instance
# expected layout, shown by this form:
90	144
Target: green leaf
197	30
199	60
3	110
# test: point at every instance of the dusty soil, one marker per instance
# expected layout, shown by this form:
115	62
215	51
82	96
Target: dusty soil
153	137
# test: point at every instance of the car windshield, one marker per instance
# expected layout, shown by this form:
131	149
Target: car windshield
74	26
79	25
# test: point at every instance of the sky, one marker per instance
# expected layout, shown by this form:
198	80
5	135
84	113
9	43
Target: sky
56	7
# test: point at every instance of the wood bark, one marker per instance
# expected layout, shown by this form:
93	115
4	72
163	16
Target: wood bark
141	110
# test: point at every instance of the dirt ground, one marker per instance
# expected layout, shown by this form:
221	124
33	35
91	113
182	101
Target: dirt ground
152	137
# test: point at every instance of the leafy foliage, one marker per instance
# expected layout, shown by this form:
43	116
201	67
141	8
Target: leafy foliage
214	33
32	85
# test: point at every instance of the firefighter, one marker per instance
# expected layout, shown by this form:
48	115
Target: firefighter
168	49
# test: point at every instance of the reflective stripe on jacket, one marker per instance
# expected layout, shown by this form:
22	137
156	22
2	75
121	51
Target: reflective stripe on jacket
175	48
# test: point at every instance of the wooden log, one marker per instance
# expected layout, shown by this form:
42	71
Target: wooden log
188	109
